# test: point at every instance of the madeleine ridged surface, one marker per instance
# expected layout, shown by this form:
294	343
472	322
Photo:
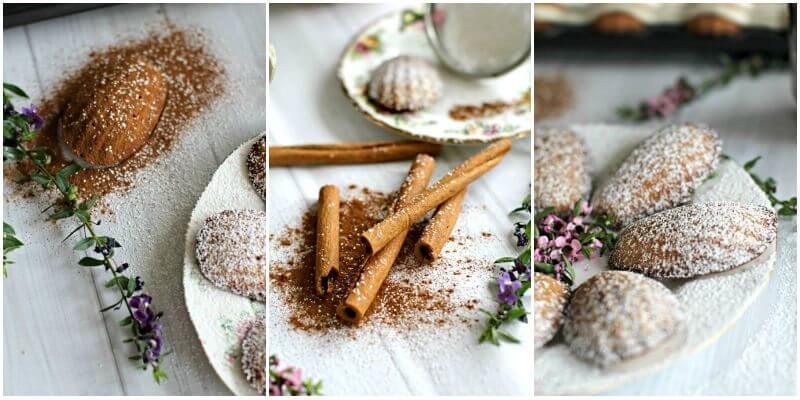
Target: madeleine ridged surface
695	239
254	356
560	175
550	298
112	115
231	252
617	316
660	173
405	83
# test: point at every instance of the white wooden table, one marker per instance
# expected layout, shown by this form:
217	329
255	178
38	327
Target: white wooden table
753	117
307	105
55	341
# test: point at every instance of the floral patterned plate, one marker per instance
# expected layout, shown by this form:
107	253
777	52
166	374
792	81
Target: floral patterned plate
404	33
222	318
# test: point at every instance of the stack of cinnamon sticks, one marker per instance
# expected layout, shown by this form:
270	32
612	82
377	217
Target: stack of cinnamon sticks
415	199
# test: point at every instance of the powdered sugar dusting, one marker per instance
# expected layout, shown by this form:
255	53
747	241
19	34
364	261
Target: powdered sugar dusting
254	355
617	315
230	251
409	356
711	303
550	298
662	172
695	239
405	83
561	178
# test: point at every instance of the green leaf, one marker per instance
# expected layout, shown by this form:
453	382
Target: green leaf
502	260
10	243
68	171
131	285
112	306
507	337
82	215
8	229
126	321
72	233
62	184
135	357
84	244
41	179
750	164
515	313
14	89
12	153
61	214
119	280
88	204
90	262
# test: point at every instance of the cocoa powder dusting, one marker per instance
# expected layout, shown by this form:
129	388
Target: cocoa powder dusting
194	80
401	302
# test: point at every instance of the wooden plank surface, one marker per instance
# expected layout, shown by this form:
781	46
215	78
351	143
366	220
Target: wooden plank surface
56	341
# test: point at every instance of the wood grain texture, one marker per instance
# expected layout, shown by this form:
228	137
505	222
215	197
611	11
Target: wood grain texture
56	341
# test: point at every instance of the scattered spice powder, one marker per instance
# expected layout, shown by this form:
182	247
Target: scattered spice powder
489	109
553	96
400	302
194	80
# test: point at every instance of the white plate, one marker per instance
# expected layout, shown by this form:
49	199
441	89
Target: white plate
222	318
713	303
388	38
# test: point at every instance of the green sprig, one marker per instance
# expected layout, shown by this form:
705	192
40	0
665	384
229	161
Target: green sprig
769	186
17	134
493	332
10	243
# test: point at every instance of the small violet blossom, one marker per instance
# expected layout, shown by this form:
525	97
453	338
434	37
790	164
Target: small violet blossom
32	114
508	288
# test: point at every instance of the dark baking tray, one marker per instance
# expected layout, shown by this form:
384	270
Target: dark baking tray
21	14
662	40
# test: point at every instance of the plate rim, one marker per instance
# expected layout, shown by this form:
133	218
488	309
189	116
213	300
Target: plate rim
405	133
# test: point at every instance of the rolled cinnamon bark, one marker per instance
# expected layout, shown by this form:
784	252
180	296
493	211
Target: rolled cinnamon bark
349	153
355	306
437	231
327	262
455	181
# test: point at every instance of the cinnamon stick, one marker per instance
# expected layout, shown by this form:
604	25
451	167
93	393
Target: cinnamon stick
438	230
374	272
327	261
455	181
349	153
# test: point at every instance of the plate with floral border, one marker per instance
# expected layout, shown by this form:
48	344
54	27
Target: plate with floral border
222	318
403	33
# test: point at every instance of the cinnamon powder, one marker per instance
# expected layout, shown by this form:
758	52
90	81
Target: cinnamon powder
401	302
490	109
194	80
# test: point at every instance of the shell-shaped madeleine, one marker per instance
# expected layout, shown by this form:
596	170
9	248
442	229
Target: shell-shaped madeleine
550	298
112	115
618	316
405	83
661	173
695	239
560	175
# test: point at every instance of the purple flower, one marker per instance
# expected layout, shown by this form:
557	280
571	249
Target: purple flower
508	289
519	232
32	114
140	301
